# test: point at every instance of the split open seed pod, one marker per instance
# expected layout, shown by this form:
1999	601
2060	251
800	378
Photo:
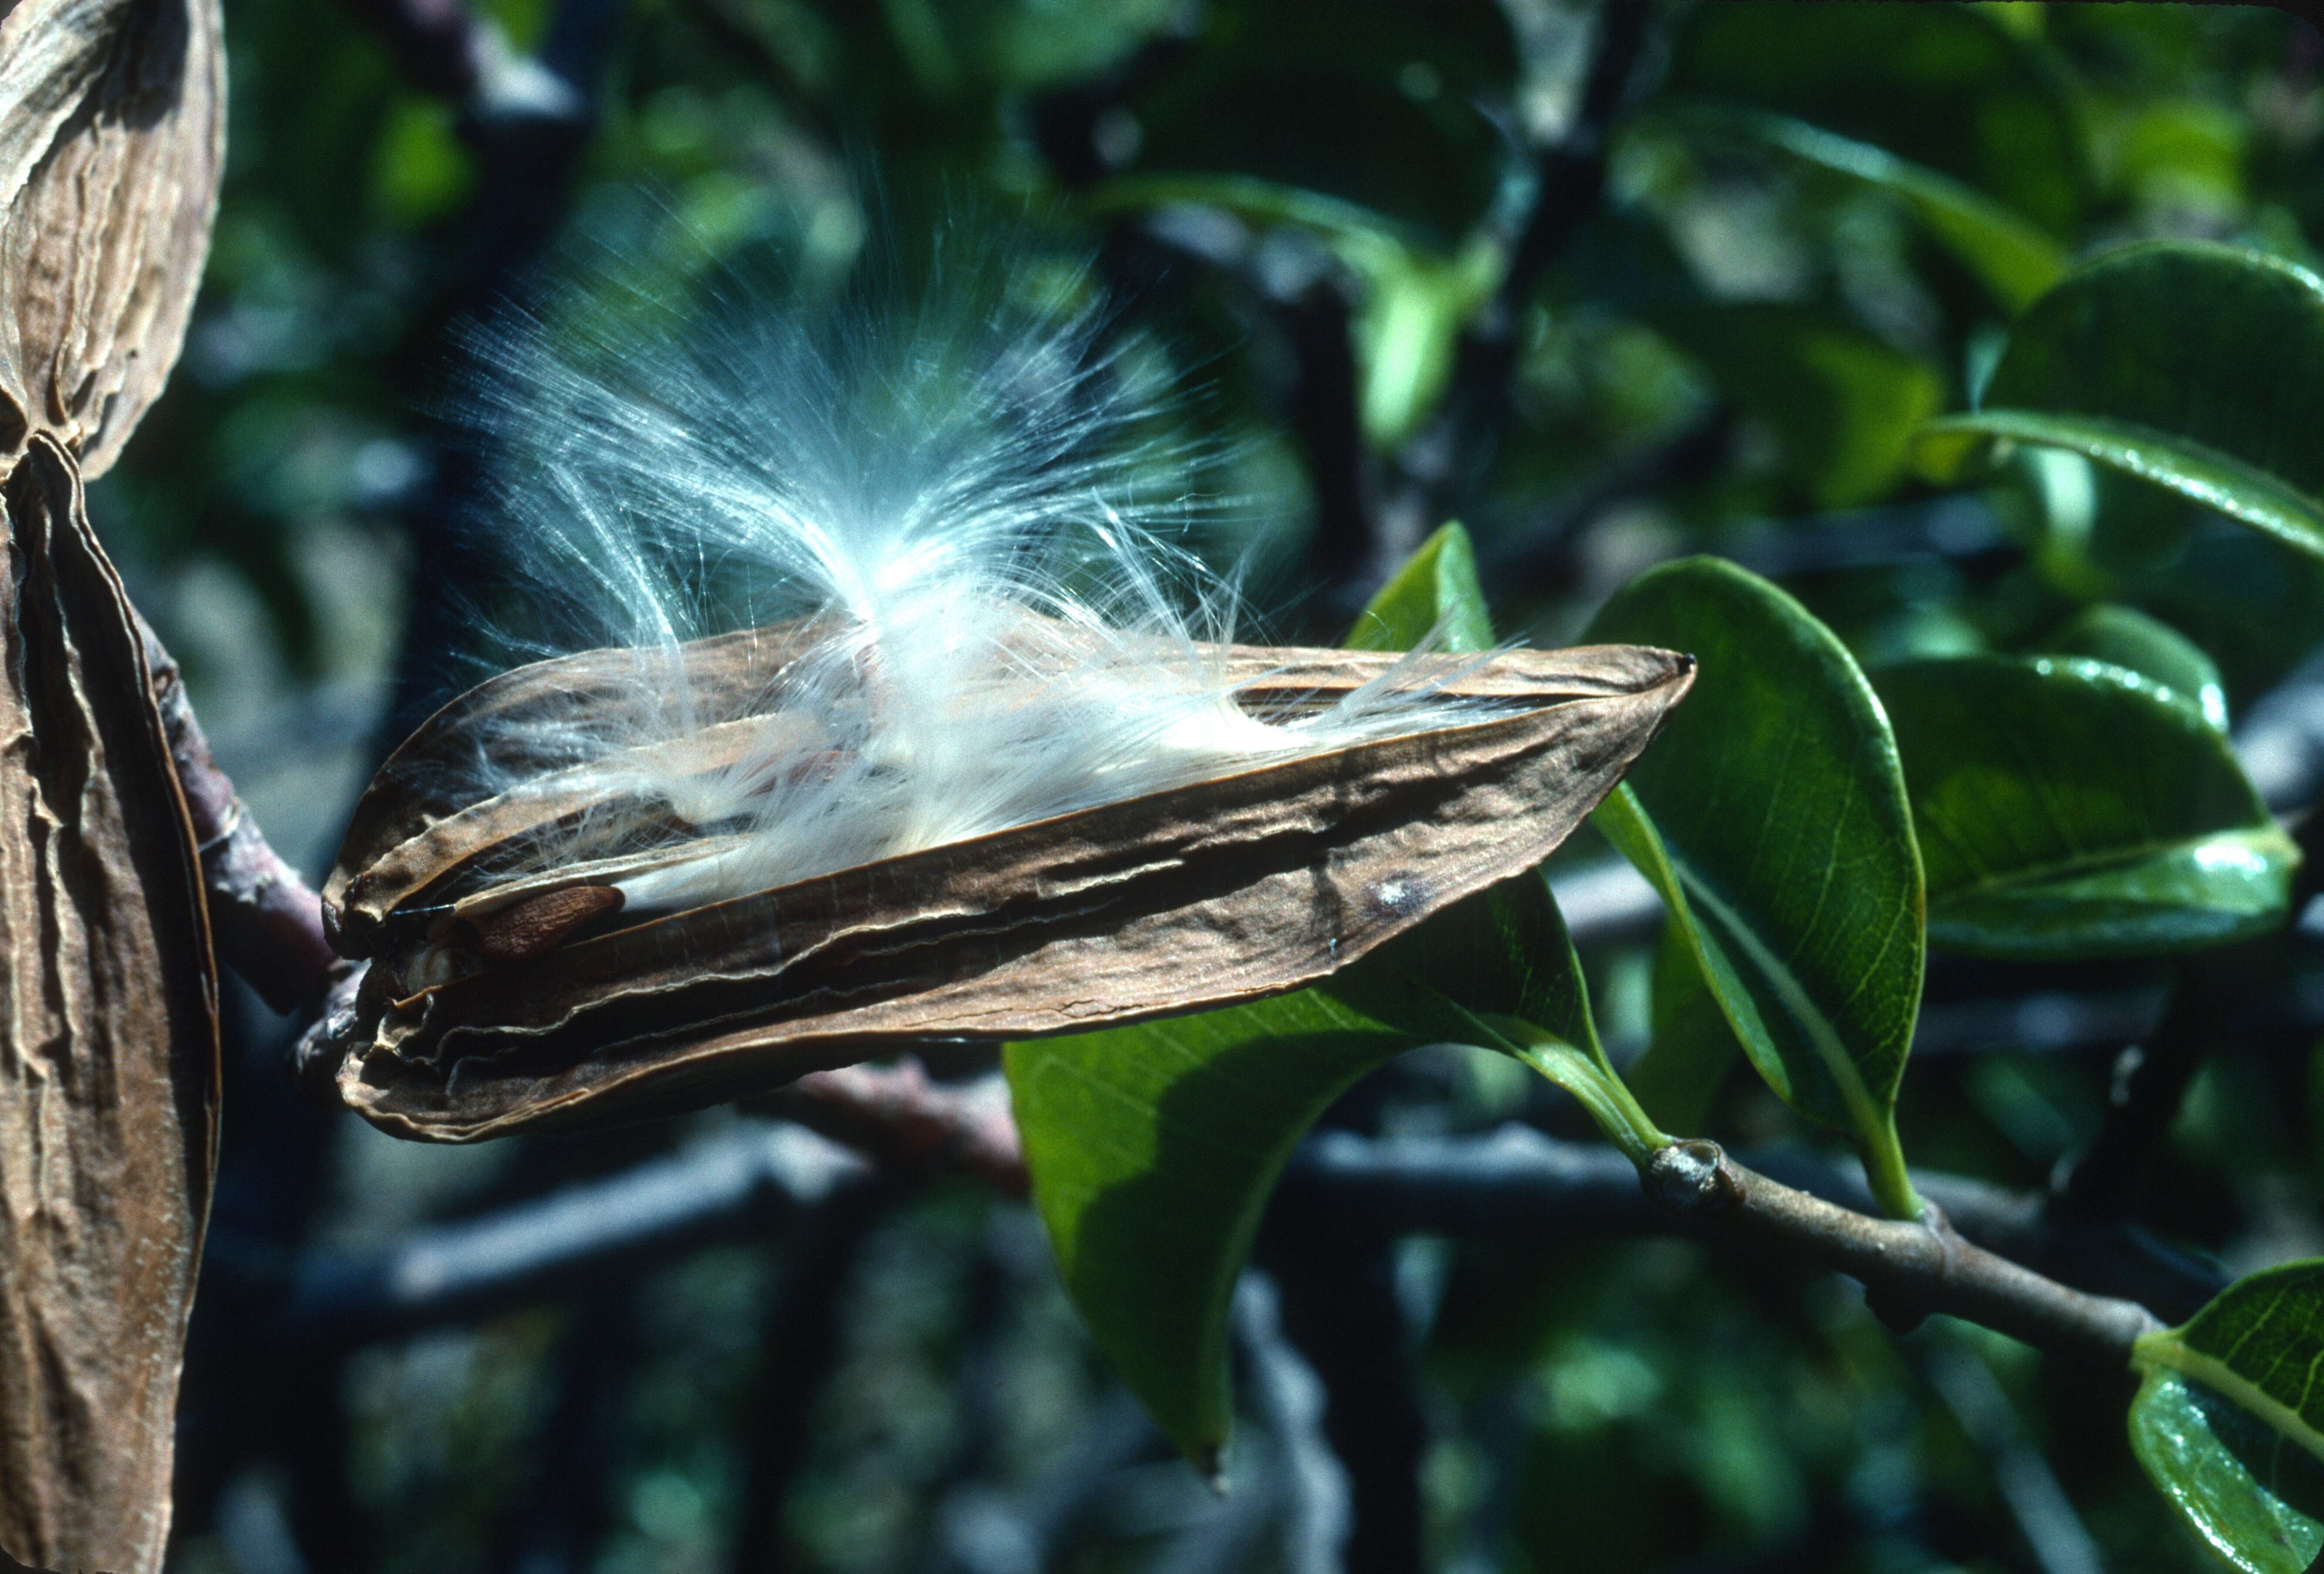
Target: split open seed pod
503	995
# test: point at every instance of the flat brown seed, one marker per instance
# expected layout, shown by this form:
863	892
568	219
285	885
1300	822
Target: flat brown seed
541	923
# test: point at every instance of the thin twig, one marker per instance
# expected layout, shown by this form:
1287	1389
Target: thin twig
268	924
734	1189
2029	1488
906	1121
1317	1516
1517	1185
1513	1184
1908	1271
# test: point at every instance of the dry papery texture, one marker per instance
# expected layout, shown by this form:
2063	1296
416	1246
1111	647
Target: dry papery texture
112	136
108	1051
112	131
1250	883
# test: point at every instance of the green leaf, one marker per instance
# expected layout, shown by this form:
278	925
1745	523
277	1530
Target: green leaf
2068	808
1951	88
1692	1048
2123	637
2200	368
2227	1421
1771	815
1499	971
1842	405
1367	241
1408	333
2013	259
1152	1150
2257	1503
1436	588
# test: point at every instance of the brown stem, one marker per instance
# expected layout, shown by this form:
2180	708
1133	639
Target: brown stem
267	923
898	1116
1907	1270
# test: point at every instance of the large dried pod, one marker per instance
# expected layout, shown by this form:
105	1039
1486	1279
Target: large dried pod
108	1051
112	142
506	991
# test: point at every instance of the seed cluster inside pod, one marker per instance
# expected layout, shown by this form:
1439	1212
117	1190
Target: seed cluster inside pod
591	938
747	765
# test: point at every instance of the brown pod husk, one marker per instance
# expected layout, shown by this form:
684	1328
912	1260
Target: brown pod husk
108	1052
1246	885
112	142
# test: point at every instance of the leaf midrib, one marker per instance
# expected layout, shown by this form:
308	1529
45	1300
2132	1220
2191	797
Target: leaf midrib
2168	1352
2085	864
1823	1035
2057	428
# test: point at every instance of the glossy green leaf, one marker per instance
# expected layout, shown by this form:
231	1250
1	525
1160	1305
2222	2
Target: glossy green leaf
1435	592
1499	971
1843	406
1373	236
1408	333
2069	808
2124	637
2255	1501
1692	1048
2014	260
1771	815
1951	88
2229	1421
1152	1150
2200	368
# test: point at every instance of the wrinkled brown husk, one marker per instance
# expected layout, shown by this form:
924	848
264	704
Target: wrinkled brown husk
112	132
1244	886
111	138
108	1052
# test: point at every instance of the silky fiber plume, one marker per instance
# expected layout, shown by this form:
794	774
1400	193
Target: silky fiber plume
969	532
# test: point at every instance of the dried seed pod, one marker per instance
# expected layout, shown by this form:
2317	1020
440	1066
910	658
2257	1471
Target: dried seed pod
1250	881
112	136
108	1051
112	142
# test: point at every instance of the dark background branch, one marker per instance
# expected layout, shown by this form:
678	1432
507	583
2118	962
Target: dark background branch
1440	469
